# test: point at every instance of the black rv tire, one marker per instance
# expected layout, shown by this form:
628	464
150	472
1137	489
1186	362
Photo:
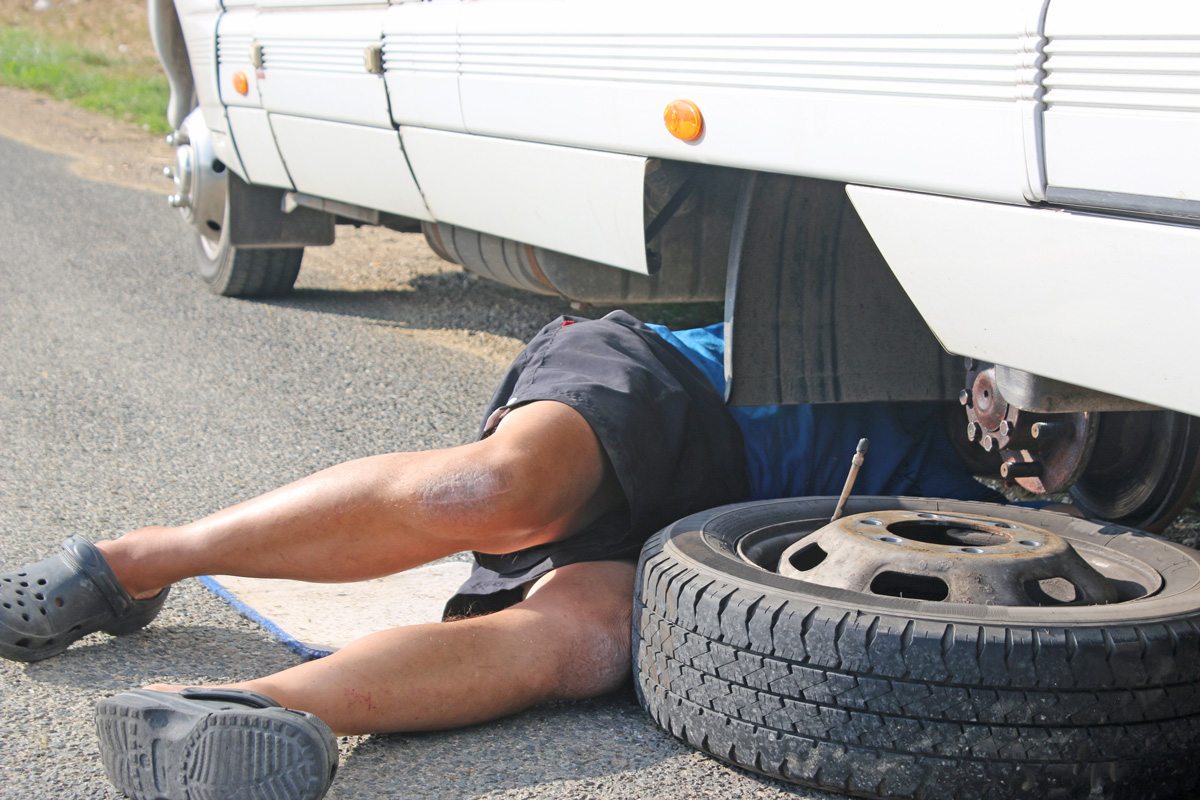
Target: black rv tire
232	271
247	272
891	697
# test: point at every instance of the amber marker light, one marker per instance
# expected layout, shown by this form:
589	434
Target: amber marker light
240	84
684	120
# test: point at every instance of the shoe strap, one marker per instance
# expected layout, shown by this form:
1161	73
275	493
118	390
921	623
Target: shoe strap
88	559
241	696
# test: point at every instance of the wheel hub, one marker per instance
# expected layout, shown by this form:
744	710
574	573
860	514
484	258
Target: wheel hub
200	179
1040	452
946	557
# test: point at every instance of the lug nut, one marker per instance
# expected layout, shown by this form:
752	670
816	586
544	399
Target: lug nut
972	431
964	398
178	138
1021	469
168	173
990	442
176	201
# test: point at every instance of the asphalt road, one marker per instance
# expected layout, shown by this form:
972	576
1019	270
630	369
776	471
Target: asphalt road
129	395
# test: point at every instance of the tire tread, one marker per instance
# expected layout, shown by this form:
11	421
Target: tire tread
883	705
267	272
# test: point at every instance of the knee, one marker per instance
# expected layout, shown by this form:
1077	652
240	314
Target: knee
598	660
492	497
587	611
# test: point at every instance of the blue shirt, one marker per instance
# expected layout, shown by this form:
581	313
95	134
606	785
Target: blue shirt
799	450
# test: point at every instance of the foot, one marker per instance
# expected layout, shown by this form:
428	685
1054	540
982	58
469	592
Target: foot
47	606
213	743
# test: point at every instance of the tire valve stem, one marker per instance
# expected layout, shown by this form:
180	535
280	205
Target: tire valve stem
855	463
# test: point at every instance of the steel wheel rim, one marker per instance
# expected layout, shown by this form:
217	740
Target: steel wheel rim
765	548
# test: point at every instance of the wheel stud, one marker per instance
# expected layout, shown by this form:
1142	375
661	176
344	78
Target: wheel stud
1014	436
1021	469
1045	431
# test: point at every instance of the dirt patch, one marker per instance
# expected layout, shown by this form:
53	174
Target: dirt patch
117	29
105	150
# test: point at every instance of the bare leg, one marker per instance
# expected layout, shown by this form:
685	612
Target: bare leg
568	639
541	476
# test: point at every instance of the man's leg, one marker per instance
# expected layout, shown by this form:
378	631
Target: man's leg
568	639
542	475
539	477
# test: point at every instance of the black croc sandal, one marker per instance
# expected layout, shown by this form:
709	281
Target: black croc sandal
47	606
213	743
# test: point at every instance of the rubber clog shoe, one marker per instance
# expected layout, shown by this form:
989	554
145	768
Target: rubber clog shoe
213	743
47	606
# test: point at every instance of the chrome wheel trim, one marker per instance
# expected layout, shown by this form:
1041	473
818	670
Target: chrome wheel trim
201	184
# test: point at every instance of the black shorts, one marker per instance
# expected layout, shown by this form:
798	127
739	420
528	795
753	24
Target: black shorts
674	447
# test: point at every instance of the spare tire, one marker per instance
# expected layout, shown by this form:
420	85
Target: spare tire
883	696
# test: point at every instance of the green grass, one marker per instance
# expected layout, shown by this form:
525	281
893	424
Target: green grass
121	89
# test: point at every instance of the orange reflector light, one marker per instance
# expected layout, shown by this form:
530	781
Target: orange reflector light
240	84
683	120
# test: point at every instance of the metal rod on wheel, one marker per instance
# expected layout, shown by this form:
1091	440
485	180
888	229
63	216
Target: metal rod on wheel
855	463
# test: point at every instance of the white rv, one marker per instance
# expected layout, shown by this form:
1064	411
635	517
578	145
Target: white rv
869	186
